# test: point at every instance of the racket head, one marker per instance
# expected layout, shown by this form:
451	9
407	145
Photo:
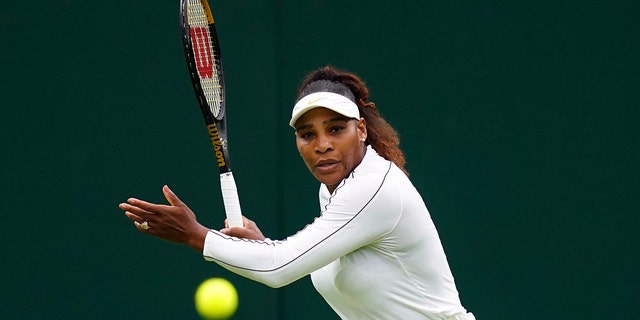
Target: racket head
204	60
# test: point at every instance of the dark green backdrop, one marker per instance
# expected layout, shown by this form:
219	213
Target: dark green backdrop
519	122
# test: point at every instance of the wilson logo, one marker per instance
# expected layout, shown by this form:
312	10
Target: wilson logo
216	142
202	51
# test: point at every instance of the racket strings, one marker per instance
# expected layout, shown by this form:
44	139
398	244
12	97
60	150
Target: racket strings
205	53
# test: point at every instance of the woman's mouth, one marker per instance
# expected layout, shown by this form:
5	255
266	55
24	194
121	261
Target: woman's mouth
327	165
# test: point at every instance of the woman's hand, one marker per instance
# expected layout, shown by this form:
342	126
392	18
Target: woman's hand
174	222
249	231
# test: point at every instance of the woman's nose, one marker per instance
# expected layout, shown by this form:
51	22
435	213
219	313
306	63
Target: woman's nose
324	144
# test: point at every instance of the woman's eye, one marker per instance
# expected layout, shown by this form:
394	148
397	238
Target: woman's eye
306	135
336	129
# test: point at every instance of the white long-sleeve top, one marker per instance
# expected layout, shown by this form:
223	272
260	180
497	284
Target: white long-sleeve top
373	253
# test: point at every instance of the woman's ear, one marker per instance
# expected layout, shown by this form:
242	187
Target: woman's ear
362	129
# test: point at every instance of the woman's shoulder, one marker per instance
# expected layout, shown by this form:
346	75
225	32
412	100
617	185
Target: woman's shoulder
375	173
375	166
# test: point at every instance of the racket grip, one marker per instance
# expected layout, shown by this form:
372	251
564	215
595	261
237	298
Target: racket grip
231	200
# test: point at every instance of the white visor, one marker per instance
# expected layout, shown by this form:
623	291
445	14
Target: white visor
329	100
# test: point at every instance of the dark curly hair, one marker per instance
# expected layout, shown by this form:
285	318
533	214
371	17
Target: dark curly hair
380	135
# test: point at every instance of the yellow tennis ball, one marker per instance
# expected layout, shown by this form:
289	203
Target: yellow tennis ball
216	299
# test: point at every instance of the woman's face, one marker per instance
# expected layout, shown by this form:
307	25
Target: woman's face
330	144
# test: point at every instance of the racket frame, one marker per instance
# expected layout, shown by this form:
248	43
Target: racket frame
216	125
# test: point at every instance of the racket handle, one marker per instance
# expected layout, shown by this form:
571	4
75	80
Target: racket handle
231	201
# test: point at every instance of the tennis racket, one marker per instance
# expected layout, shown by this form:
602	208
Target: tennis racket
202	51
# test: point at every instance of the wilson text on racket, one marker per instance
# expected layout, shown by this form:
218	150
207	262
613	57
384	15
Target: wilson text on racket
216	142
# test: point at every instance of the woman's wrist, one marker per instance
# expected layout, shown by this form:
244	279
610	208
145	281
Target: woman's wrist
197	238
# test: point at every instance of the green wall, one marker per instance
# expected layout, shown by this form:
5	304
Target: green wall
519	122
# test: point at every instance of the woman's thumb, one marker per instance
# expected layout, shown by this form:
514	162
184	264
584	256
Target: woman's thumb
171	197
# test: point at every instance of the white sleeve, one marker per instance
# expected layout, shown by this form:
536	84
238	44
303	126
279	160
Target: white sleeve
359	212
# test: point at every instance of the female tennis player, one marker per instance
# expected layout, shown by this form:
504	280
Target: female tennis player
372	253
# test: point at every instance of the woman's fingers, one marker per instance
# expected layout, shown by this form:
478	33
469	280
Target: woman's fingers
241	233
249	231
140	223
135	210
144	206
